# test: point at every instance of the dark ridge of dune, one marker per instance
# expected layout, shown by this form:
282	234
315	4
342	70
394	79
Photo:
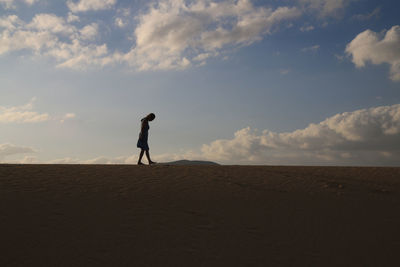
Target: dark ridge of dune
168	215
189	162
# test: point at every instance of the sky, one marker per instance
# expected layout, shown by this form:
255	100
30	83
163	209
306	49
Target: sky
291	82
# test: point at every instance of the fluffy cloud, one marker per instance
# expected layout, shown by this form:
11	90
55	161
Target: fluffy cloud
22	114
72	18
11	150
50	23
173	33
367	136
169	34
86	5
10	22
50	35
123	17
90	31
370	46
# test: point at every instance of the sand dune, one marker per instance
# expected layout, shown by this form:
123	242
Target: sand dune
120	215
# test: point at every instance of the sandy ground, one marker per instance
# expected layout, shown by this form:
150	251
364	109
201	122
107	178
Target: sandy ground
121	215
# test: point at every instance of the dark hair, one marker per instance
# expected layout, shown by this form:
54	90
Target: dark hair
151	116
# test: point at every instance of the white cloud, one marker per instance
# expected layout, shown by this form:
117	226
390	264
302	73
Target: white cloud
26	160
31	2
64	161
173	33
313	48
169	34
7	150
307	28
326	8
7	4
90	31
68	116
132	159
10	4
373	47
26	114
51	23
105	160
10	22
98	160
22	39
119	22
22	114
363	137
123	17
87	5
72	18
52	36
78	56
376	13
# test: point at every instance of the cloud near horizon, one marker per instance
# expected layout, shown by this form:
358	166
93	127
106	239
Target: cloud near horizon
362	137
376	48
7	150
365	137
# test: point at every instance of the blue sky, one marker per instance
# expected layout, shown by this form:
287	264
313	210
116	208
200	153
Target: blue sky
237	82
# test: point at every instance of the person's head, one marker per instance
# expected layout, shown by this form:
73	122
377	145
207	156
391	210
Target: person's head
150	117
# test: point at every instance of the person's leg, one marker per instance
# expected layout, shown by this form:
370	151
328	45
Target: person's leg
140	157
148	157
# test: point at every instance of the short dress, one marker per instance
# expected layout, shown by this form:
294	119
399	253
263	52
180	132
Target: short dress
143	137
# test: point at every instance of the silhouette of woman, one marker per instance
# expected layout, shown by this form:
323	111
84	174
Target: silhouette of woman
143	136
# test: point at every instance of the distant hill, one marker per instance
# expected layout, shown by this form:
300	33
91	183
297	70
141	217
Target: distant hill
189	162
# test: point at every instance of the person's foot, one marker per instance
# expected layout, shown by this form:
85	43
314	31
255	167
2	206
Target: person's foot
139	163
152	162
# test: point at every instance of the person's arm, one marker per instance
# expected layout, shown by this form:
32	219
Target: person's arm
142	128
